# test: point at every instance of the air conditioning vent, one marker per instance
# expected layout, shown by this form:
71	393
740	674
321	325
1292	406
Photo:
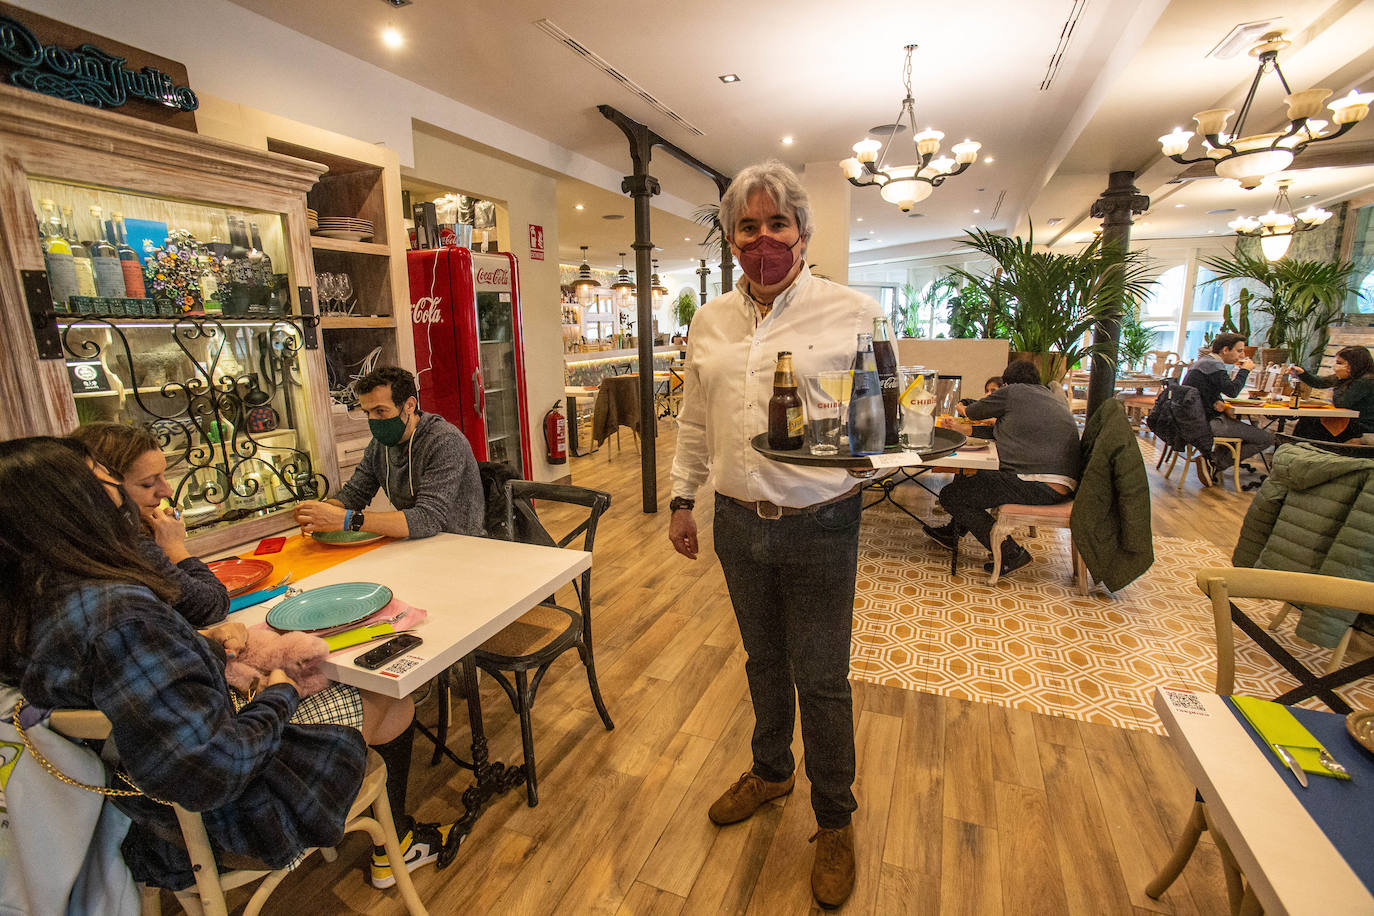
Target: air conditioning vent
1060	49
572	44
997	207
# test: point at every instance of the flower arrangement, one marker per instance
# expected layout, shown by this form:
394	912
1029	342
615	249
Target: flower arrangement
173	272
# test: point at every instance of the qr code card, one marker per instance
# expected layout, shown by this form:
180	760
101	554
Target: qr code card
1186	702
401	665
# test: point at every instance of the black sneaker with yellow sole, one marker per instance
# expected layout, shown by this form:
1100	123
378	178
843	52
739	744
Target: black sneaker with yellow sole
420	846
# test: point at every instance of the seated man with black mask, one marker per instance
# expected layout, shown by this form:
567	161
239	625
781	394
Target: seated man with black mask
422	462
1038	454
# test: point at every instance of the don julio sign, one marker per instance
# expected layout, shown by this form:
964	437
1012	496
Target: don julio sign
56	59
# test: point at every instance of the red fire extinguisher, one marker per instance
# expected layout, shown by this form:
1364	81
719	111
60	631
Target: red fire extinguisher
556	435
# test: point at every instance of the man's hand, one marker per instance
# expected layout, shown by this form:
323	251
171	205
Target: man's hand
1246	364
231	634
959	409
313	515
169	531
682	533
1223	408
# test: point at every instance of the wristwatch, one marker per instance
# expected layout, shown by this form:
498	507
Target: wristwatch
681	502
356	522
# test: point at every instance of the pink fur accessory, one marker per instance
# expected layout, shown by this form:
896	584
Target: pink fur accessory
297	654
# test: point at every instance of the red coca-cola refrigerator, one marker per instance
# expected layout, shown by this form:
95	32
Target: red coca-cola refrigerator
469	352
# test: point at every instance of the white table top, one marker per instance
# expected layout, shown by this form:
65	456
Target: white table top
471	587
1285	856
1331	412
982	459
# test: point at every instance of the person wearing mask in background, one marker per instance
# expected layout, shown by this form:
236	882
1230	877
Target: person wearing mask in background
1211	376
989	387
787	536
1352	377
1038	462
134	456
422	462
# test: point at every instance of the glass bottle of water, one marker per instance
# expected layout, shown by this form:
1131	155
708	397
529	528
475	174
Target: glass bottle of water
867	422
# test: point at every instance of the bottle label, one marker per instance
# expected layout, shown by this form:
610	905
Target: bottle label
61	277
794	421
85	277
133	279
109	277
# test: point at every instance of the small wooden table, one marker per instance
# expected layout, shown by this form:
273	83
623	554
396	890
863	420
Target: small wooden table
1290	865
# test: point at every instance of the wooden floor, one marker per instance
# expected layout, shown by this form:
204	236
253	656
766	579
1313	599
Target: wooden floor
964	807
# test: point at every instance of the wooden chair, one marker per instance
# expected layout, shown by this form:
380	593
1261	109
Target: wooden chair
1192	456
207	896
539	637
1221	584
1016	515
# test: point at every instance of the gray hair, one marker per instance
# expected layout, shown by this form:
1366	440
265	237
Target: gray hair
777	181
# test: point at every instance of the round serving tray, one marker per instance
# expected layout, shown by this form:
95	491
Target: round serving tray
1360	724
946	441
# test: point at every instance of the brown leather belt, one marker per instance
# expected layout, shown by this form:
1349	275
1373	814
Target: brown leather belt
764	509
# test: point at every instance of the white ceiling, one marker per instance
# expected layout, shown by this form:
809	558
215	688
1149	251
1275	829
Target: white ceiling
824	73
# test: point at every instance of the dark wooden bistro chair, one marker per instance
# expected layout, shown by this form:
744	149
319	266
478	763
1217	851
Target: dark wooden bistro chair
540	636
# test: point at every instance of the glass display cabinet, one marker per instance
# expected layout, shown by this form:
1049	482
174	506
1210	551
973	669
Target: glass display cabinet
166	280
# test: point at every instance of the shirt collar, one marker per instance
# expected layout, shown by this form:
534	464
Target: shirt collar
794	289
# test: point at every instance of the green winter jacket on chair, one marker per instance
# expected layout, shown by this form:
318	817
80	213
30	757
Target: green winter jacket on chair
1314	514
1111	507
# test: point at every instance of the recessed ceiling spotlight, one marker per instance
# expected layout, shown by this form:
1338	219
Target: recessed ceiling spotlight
686	238
729	78
1307	197
786	141
398	3
1179	206
579	207
859	220
989	160
977	211
613	216
392	38
1054	220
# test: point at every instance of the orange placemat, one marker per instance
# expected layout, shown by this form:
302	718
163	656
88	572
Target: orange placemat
304	556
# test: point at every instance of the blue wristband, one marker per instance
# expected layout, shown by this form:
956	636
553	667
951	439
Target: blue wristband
348	519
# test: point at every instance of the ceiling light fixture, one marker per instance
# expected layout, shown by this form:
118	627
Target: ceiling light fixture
907	185
656	285
1275	229
1249	159
585	280
786	141
622	279
728	78
392	38
578	207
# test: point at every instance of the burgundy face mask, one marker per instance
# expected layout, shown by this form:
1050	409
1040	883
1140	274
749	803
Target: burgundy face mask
766	260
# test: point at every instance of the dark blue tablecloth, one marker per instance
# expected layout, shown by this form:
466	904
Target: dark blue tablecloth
1343	808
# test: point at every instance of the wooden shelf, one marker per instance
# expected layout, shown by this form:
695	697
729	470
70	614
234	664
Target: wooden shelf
321	243
331	322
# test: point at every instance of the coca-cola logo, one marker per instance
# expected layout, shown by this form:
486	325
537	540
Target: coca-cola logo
496	276
426	311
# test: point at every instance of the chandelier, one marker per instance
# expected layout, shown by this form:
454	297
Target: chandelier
1248	159
1275	229
907	185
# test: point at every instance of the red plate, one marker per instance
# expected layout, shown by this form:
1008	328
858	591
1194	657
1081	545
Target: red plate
240	575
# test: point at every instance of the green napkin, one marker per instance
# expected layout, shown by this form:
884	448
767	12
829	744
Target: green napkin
1276	725
357	636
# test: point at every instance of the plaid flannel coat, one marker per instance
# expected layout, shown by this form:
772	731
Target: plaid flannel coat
266	789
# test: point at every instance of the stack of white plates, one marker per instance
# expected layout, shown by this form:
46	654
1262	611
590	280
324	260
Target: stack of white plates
312	219
344	227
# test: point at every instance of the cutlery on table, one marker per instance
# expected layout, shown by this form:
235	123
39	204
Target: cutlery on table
1287	757
1330	763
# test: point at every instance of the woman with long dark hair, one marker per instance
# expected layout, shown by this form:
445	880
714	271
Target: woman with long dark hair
85	623
1353	380
134	457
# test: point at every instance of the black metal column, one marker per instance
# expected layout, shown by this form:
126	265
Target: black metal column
1118	203
703	272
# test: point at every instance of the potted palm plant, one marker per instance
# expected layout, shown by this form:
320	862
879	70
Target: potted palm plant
1136	341
684	307
1301	298
1052	301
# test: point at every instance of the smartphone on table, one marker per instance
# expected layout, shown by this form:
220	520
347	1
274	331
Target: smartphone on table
392	648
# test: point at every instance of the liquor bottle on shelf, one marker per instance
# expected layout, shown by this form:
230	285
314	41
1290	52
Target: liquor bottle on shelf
109	276
867	428
81	256
886	359
784	408
128	258
57	255
261	268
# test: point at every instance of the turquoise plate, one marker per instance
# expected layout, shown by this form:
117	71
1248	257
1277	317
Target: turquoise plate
329	606
346	538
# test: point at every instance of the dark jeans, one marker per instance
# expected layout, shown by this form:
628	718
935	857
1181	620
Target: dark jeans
1311	428
791	582
1253	440
968	499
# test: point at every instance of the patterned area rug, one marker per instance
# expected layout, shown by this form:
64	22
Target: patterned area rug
1032	642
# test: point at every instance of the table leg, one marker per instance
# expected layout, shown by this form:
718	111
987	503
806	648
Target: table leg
489	779
574	438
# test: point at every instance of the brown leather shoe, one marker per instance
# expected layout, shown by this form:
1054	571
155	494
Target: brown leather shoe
832	874
745	796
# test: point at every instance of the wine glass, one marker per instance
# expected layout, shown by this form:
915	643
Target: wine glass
344	287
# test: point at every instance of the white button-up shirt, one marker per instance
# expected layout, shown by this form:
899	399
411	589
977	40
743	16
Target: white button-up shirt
731	357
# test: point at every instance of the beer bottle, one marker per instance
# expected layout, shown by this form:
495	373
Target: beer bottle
784	408
866	426
886	360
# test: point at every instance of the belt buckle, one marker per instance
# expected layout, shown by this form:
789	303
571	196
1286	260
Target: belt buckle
760	511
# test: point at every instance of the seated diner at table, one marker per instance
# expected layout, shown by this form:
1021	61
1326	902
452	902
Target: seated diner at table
1211	376
1038	457
386	722
1352	381
422	462
85	622
132	454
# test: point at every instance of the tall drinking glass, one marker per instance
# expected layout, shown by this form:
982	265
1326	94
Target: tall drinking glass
822	400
